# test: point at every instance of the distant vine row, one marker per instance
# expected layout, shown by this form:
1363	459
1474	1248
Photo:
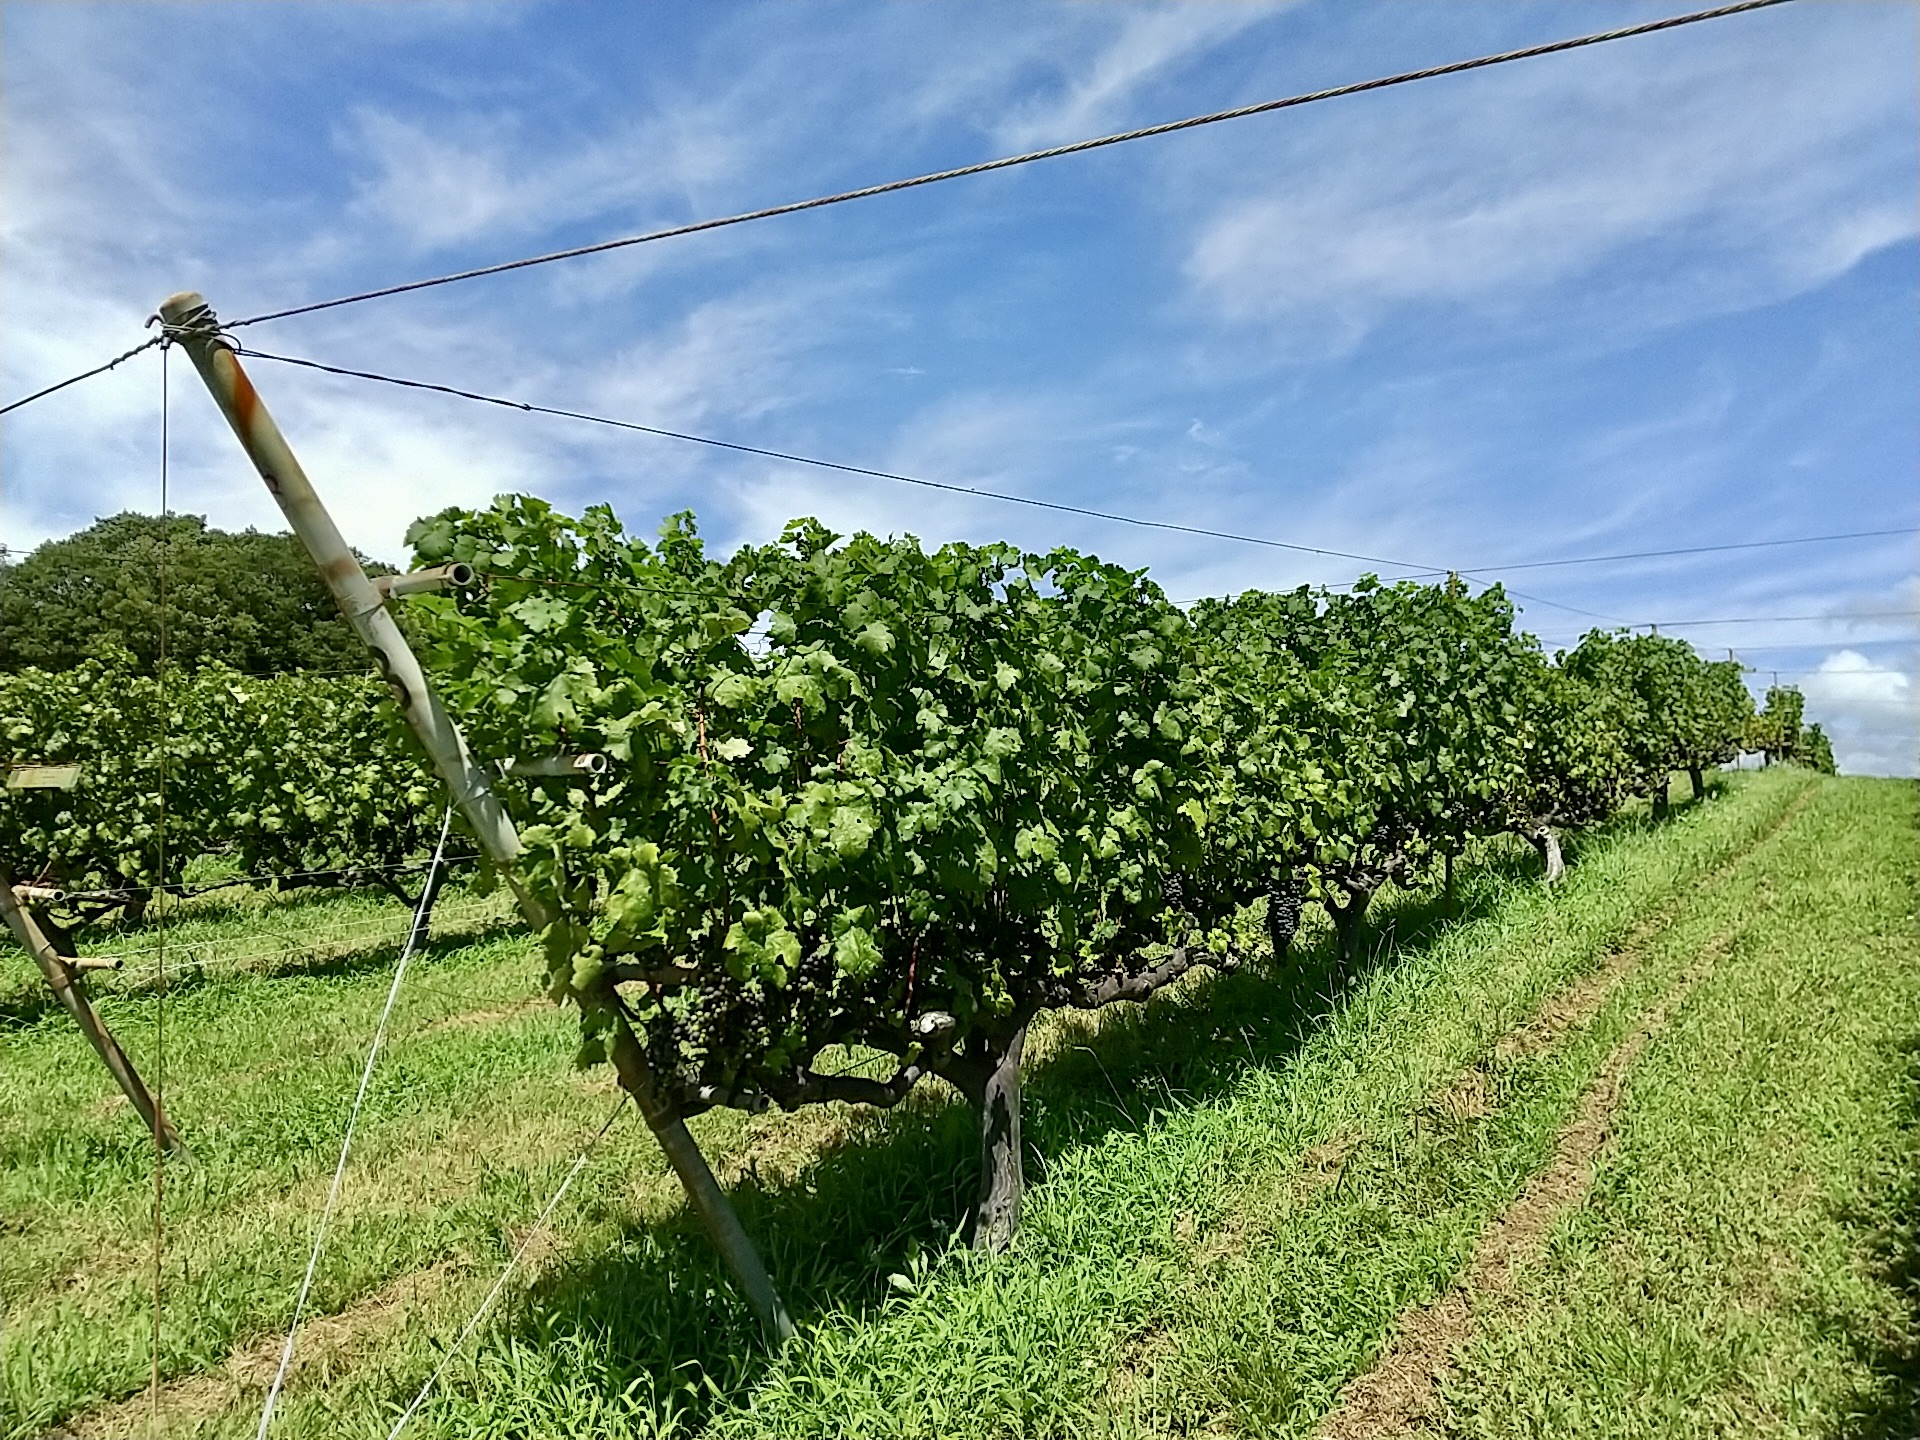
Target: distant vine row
861	793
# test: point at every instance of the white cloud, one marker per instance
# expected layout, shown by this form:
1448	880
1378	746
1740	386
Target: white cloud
1095	91
737	357
1493	191
465	176
1871	712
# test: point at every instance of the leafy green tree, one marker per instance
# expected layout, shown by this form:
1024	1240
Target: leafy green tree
1778	732
858	793
1645	675
1432	683
1681	712
1290	759
1714	716
1776	729
246	600
1819	750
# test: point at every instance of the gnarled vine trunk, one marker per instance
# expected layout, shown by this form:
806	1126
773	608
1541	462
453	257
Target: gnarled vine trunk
1699	781
988	1074
1547	843
1660	800
1348	921
1283	911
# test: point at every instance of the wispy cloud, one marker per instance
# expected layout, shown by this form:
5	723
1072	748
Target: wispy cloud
1095	88
1655	179
453	179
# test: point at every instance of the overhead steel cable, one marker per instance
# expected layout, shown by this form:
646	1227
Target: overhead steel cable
790	457
983	167
1555	604
6	550
1839	674
1689	550
83	375
300	879
1848	640
1784	619
813	460
1007	162
1412	568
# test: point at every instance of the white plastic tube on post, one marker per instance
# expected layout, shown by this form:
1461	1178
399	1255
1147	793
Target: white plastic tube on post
190	322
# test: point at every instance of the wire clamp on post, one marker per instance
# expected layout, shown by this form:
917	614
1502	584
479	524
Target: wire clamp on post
196	323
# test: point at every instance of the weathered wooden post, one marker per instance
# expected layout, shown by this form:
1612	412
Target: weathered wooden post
190	322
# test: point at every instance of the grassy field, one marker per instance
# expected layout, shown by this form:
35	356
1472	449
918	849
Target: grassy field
1639	1157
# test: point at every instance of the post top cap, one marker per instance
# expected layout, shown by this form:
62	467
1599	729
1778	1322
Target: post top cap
179	305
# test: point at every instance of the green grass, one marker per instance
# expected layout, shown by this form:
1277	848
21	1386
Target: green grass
1747	1262
1235	1190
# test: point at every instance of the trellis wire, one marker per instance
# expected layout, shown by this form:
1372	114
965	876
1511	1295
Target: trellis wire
160	1000
1007	162
539	1227
1456	67
346	1146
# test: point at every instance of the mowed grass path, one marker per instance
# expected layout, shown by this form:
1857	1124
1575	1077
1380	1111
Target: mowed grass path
1241	1191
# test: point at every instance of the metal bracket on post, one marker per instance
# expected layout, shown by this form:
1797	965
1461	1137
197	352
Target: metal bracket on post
190	322
556	767
420	582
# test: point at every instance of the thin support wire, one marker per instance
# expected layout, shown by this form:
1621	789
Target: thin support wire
793	458
259	877
1077	147
83	375
346	1144
160	998
513	1264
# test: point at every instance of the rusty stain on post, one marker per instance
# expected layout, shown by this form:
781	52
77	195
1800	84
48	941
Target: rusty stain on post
191	322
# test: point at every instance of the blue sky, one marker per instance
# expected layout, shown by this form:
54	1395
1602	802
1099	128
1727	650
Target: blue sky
1652	294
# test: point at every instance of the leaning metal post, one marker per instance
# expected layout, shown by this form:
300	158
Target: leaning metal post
190	321
60	972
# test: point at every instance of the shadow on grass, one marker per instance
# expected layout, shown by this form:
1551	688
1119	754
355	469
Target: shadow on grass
31	1001
652	1315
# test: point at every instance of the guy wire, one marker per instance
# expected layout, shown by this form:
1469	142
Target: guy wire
160	915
